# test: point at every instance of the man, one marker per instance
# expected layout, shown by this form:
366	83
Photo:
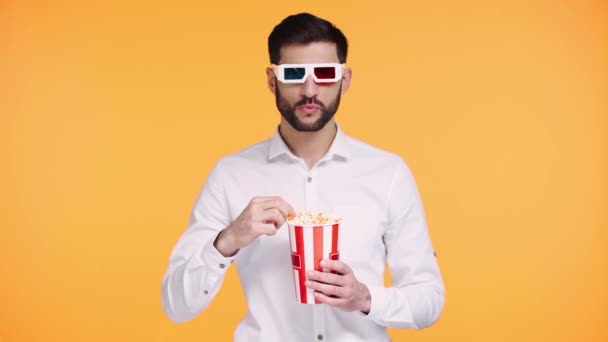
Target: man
309	165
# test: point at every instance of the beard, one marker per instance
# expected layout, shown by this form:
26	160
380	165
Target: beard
289	112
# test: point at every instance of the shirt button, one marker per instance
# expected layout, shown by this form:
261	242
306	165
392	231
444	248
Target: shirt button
320	337
222	265
205	292
310	180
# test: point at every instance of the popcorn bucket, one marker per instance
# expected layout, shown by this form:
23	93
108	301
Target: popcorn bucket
310	243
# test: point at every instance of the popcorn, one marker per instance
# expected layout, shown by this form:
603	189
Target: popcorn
310	218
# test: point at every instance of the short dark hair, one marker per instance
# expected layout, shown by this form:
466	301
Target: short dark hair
305	28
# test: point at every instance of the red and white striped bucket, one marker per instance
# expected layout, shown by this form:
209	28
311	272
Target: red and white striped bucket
309	245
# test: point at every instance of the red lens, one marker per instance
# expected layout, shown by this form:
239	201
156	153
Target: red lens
325	73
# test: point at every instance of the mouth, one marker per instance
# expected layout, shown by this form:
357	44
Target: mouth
309	108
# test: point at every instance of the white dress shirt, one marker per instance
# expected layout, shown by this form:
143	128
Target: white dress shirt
382	221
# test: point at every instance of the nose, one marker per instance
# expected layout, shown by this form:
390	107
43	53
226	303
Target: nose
310	88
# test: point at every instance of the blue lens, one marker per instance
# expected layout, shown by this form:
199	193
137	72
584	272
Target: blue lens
294	73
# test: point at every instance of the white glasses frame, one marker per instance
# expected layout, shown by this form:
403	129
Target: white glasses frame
309	68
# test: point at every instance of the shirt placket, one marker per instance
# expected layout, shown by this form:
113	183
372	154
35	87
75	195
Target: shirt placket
310	191
318	312
312	204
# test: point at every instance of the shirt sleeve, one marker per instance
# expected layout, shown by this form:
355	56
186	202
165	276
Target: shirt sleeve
417	295
196	269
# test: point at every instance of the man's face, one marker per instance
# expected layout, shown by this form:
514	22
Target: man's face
308	106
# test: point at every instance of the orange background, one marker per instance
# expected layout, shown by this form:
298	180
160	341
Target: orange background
113	113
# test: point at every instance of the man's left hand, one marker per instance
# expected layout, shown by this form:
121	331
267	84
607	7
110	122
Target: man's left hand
341	290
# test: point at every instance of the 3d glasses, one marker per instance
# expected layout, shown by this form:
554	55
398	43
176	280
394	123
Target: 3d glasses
298	73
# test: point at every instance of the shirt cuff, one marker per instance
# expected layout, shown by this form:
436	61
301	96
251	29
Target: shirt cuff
215	261
379	303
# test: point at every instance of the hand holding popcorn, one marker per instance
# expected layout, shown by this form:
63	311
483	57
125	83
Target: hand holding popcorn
262	216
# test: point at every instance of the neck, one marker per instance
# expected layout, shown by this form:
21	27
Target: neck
310	146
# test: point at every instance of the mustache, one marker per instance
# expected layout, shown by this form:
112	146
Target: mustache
310	100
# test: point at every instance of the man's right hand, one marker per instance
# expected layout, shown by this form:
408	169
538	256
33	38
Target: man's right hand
262	216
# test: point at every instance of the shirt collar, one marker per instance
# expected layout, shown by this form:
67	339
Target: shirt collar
339	147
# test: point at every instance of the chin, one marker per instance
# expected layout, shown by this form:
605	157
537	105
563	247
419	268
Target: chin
309	117
310	121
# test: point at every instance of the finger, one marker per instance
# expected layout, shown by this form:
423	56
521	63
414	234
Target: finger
266	201
288	209
326	289
328	278
280	204
261	199
336	265
267	229
273	216
339	302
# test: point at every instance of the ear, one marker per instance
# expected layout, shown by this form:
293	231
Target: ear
346	77
271	80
